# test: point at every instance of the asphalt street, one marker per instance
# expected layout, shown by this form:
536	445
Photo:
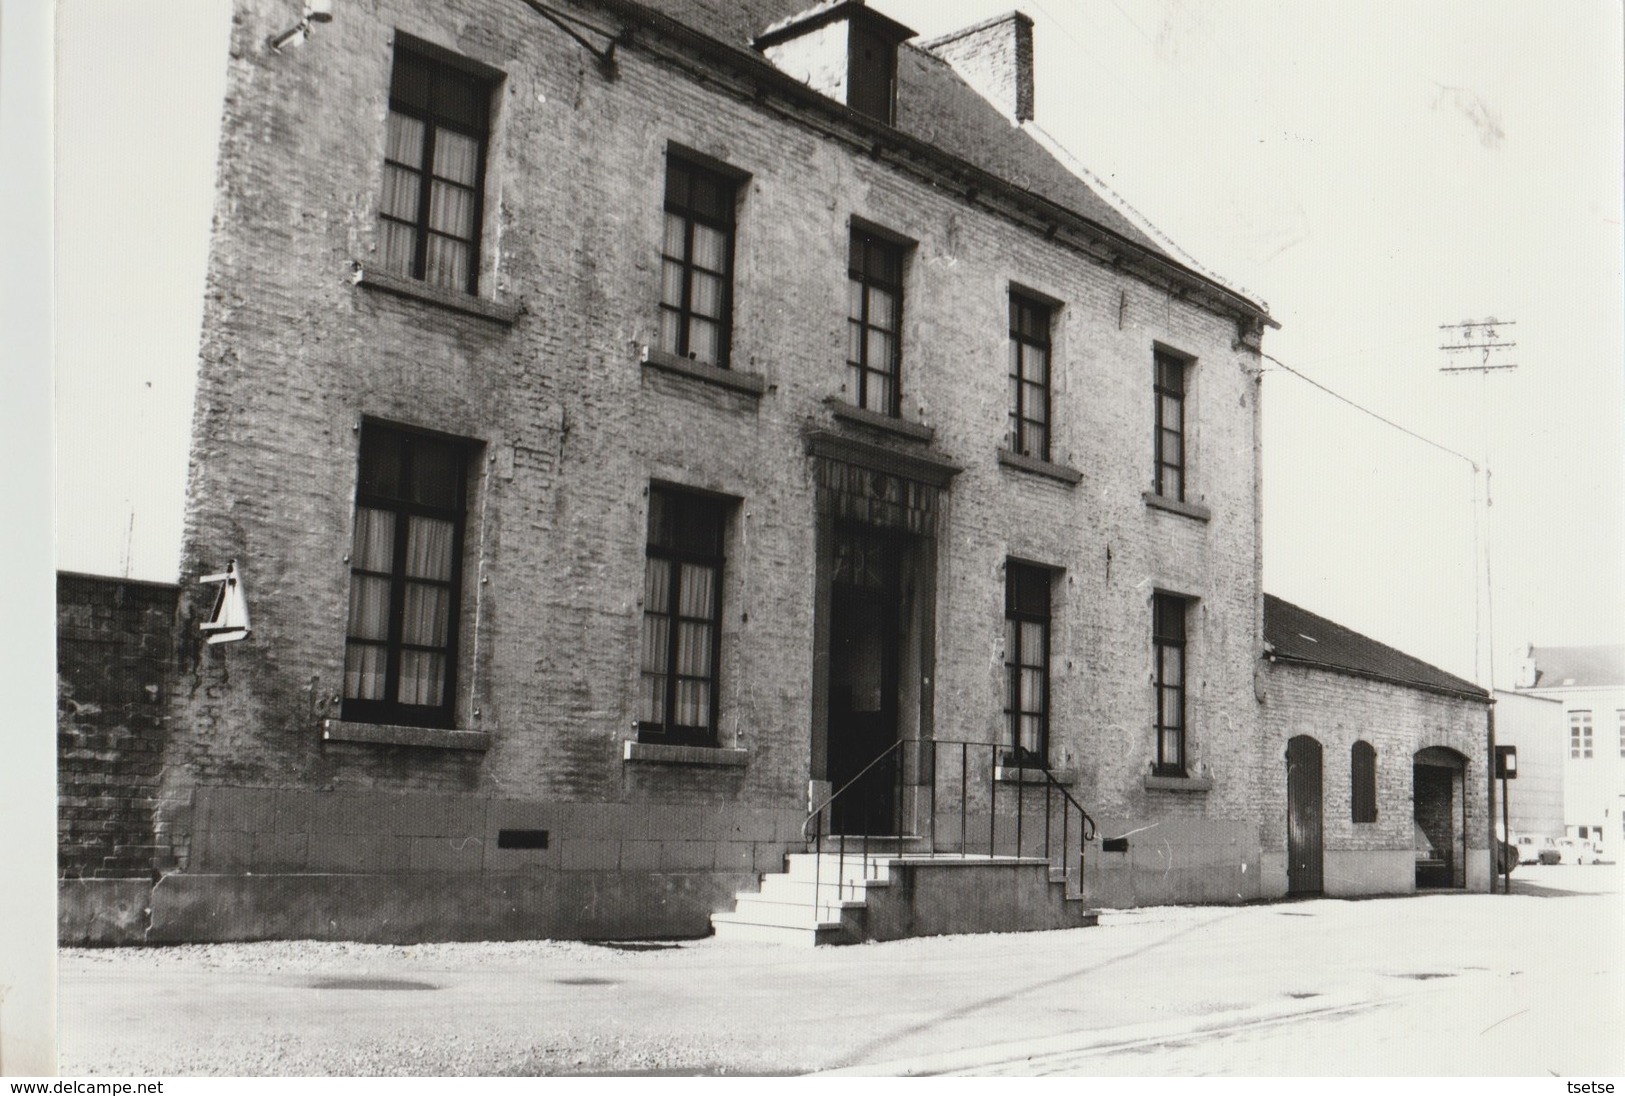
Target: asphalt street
1527	984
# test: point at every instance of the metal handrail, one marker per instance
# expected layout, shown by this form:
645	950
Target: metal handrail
1087	830
818	833
878	758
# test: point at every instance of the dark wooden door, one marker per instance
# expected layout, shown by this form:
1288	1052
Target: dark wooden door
1304	817
863	644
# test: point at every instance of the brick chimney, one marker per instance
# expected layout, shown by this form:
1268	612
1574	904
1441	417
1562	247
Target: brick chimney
996	58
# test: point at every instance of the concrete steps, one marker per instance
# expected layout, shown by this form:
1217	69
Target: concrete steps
819	900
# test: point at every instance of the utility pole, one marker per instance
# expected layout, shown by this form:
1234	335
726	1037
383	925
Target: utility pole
1485	347
1482	347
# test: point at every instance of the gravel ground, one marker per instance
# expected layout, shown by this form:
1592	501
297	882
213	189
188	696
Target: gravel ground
1445	983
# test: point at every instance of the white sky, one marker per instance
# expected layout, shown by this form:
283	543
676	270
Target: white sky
1372	172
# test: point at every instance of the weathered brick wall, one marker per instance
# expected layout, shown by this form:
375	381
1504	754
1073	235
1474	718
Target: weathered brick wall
996	58
573	428
115	650
1338	710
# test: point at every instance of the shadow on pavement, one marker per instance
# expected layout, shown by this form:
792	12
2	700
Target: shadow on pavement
632	945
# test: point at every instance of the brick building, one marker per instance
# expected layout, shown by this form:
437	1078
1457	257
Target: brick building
632	420
1375	779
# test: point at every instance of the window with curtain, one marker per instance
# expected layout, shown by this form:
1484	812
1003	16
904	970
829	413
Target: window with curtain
1170	439
1026	661
434	171
1029	377
405	563
1363	781
874	323
696	281
1168	643
682	618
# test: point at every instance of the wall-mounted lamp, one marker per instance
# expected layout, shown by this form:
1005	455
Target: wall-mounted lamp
229	618
316	11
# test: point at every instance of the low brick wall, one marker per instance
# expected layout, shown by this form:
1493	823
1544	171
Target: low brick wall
115	642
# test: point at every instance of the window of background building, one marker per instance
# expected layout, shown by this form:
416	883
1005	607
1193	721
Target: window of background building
434	171
405	564
682	618
1029	377
1026	661
1580	734
1620	716
696	281
1170	398
1168	613
874	323
1363	781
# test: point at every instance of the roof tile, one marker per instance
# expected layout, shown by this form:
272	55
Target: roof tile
1297	635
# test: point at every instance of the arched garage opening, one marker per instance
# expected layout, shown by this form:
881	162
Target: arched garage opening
1441	817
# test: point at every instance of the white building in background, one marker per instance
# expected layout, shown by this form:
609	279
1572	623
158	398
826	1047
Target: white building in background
1535	726
1589	682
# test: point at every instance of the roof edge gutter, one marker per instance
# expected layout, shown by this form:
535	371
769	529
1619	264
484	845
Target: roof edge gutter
1481	696
1223	298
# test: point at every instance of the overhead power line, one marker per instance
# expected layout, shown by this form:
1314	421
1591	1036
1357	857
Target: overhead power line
1367	411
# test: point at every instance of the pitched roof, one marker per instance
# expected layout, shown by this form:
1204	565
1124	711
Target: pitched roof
1299	636
1557	667
936	106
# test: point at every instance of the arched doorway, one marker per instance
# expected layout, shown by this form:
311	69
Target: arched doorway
1304	816
1440	807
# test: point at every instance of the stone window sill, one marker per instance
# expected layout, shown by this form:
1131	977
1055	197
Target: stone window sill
412	289
389	734
1062	472
661	754
1174	506
851	413
751	384
1179	783
1014	774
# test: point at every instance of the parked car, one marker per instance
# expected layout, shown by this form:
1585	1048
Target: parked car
1506	858
1578	850
1537	850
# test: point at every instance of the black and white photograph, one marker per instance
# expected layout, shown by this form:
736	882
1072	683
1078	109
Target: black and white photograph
875	538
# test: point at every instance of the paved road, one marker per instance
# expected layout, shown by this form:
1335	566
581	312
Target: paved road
1451	984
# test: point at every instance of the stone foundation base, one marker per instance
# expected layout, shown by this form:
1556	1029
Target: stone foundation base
402	908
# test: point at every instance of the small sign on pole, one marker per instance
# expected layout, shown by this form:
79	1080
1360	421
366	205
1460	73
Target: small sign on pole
1506	762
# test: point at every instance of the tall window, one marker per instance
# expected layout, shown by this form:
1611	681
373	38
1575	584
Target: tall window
874	318
1580	734
1170	394
696	280
682	618
405	562
1029	377
434	171
1026	661
1168	642
1363	781
1620	716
